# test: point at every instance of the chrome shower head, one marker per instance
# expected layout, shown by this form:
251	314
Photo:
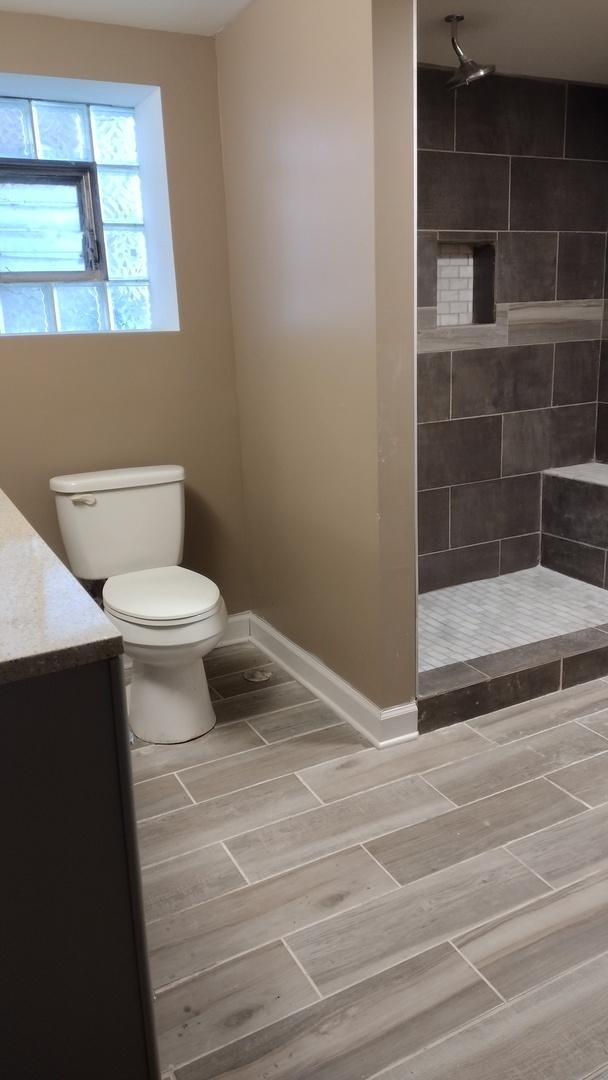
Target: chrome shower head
468	70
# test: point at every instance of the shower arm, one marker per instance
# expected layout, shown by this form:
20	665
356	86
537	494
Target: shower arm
462	56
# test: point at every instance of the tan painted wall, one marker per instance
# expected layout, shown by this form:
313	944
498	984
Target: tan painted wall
71	403
327	447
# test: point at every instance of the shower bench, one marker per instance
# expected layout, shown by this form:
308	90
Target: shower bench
575	521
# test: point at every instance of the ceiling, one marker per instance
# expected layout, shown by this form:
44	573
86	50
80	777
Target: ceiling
184	16
559	39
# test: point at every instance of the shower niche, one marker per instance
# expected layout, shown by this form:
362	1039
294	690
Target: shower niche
465	283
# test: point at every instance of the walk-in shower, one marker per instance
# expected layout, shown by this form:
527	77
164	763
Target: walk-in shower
512	385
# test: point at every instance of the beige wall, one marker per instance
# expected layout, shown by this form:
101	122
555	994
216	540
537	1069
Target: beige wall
71	403
323	317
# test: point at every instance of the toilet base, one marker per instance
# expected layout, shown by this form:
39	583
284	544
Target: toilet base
170	704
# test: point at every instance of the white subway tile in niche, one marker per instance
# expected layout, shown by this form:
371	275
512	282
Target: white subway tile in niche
454	285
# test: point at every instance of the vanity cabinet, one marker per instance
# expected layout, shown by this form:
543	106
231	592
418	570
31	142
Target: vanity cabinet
76	1002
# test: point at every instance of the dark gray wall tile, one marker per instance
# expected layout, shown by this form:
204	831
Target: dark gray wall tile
501	380
435	110
526	266
464	237
603	381
580	270
519	553
575	510
458	566
427	269
576	372
488	696
433	386
601	444
559	195
576	560
458	451
433	520
495	509
506	115
462	191
588	665
545	438
586	128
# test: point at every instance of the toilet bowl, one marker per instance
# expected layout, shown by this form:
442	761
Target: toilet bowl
126	527
169	619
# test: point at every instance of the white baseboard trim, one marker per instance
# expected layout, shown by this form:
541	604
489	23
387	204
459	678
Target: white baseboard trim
383	727
238	629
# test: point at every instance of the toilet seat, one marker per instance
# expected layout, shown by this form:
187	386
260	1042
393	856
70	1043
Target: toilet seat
168	596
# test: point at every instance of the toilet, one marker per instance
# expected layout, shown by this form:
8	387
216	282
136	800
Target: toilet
127	526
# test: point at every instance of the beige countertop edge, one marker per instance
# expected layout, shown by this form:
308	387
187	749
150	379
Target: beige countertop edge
28	667
48	622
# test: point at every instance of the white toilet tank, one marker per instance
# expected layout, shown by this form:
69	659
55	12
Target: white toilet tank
120	520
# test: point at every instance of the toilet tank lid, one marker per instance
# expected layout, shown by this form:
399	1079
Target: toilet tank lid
112	479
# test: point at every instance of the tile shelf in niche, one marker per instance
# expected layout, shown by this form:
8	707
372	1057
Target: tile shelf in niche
433	338
516	324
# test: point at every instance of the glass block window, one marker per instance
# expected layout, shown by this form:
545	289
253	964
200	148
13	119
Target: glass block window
73	255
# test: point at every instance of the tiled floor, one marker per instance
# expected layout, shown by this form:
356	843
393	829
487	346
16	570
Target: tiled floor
322	910
487	616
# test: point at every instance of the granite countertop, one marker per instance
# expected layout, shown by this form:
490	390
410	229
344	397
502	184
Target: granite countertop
47	620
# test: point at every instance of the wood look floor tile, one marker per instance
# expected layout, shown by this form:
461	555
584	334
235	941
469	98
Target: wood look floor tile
361	771
555	1033
598	722
227	659
568	851
385	931
211	933
286	844
358	1031
150	761
525	948
566	744
515	763
189	879
296	721
469	830
260	702
588	780
539	714
228	686
487	773
159	796
267	762
196	826
228	1002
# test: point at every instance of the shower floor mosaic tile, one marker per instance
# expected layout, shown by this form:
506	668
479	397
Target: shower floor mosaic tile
483	617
